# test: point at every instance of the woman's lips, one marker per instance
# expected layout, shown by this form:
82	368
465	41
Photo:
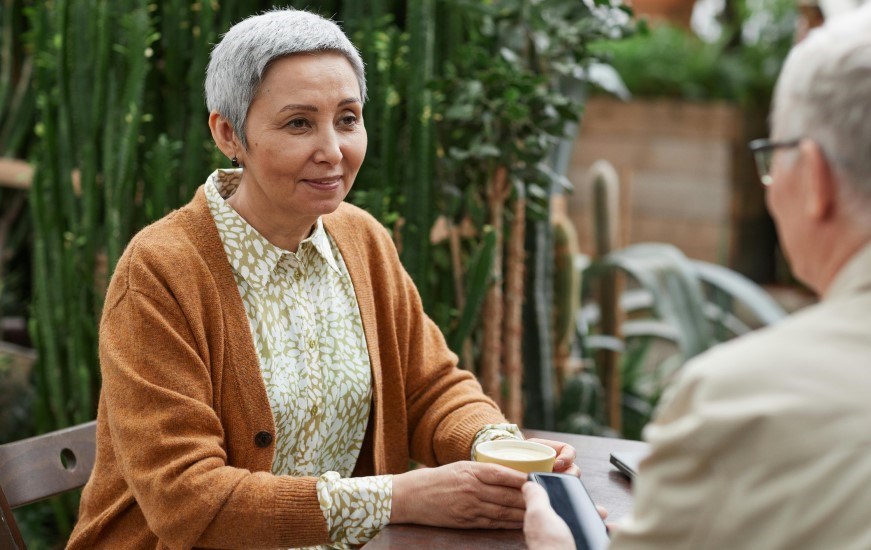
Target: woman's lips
324	183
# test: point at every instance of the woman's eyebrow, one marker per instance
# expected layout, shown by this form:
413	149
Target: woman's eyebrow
298	107
312	108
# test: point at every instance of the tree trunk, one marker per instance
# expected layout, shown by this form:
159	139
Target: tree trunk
514	292
491	354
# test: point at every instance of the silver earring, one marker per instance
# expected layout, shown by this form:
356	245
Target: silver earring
235	162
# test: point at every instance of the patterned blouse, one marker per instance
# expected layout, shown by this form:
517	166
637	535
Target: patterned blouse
308	334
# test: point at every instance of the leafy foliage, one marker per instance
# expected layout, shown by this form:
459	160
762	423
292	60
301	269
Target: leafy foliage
740	66
509	94
674	308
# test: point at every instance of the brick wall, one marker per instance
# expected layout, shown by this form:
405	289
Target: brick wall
682	168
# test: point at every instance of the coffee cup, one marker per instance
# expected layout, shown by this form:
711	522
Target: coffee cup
525	456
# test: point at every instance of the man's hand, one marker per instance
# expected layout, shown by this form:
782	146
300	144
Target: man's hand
461	495
542	527
565	456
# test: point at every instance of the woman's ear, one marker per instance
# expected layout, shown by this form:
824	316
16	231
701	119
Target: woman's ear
823	185
223	134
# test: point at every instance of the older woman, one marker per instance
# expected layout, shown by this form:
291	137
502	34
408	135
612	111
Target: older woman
266	361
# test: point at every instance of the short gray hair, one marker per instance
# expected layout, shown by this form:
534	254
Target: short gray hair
824	94
240	59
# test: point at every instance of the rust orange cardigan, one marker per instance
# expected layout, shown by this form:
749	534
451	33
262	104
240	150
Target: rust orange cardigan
182	458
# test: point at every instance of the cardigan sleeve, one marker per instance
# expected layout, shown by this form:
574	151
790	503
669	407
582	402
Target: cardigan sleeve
445	405
169	441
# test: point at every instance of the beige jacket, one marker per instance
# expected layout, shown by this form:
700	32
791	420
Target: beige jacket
765	442
185	434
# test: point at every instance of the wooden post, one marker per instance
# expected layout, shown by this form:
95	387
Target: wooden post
514	292
491	354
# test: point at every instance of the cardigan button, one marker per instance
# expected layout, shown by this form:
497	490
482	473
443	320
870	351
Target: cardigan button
263	439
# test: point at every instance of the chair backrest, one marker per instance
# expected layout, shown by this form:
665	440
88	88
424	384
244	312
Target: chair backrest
10	536
41	467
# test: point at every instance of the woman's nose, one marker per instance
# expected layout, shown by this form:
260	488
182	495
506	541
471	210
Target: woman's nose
328	148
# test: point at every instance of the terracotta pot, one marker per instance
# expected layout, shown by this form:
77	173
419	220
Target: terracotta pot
676	12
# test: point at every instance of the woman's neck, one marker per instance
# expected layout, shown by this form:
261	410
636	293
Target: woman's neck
274	226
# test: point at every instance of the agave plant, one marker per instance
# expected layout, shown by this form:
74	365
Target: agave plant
674	308
648	309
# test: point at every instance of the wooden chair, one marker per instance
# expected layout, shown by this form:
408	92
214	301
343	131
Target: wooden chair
41	467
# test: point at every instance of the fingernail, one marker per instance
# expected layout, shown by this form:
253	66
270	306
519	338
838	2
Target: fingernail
559	464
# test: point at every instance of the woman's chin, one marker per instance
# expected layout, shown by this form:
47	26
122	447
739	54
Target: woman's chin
321	207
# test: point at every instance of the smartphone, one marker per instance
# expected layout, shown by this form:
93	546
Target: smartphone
571	501
627	461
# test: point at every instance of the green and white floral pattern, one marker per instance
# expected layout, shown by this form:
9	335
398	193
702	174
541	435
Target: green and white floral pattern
492	432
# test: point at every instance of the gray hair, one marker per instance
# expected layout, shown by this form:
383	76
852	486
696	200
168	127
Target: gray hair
824	94
240	59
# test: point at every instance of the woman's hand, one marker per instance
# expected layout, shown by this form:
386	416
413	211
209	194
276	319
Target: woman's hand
466	495
565	456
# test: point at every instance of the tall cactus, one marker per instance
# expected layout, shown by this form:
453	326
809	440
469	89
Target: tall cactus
417	186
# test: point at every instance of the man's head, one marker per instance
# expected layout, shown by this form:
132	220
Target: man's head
820	195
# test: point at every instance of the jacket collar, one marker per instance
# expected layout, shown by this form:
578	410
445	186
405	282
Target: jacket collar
854	277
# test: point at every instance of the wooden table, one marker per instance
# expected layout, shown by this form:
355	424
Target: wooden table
607	486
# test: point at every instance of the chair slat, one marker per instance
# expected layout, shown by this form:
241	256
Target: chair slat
31	469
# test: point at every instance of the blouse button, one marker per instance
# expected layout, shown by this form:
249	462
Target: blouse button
312	343
314	410
297	275
263	439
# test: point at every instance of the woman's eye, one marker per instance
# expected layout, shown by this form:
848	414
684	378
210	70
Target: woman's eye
348	120
298	124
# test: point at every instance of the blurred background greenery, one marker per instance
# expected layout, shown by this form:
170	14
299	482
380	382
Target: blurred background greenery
472	115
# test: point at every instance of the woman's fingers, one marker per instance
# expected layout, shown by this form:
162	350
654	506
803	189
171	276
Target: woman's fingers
503	496
494	474
565	454
573	470
495	513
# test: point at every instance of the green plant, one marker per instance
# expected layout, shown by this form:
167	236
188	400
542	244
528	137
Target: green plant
674	309
503	105
17	108
669	62
740	66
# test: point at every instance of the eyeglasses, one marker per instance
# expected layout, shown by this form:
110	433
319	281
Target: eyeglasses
763	153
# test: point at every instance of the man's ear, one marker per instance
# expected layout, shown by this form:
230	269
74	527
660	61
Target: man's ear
822	185
224	135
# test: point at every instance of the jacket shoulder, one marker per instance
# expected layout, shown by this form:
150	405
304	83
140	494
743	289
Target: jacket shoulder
154	256
351	224
349	216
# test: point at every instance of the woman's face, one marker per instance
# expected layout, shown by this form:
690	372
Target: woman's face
306	139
